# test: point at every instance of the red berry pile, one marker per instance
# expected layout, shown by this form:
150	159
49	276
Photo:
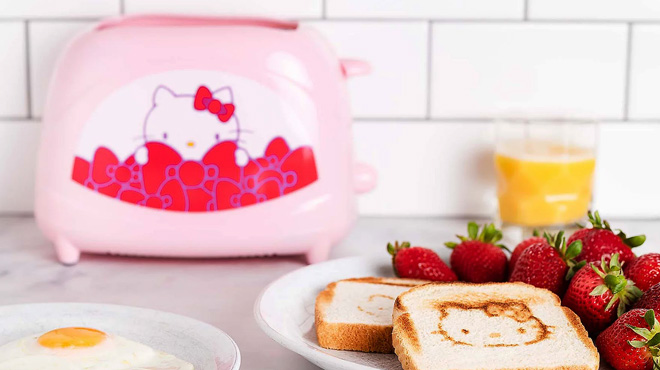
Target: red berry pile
615	293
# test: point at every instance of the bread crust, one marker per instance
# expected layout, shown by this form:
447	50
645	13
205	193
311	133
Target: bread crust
405	358
581	331
405	337
354	337
388	281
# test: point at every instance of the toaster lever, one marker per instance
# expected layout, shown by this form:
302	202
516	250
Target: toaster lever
365	177
353	67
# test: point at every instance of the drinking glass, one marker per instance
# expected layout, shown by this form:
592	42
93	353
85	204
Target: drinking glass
545	170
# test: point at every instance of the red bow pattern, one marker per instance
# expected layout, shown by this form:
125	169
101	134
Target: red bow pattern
204	101
213	183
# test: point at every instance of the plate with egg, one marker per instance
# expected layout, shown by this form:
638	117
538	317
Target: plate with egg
77	336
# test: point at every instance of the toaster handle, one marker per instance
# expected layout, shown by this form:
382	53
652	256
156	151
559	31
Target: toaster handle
365	177
353	67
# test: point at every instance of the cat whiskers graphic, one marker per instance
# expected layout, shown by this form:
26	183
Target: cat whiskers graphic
240	131
143	138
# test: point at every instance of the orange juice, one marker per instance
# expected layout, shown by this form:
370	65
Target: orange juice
542	184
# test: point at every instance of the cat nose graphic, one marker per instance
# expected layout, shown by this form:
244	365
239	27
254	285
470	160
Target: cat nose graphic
190	144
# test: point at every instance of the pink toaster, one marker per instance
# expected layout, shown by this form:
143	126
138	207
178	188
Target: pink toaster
198	137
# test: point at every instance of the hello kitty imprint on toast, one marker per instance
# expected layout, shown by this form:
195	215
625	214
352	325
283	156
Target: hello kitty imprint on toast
192	158
376	303
490	324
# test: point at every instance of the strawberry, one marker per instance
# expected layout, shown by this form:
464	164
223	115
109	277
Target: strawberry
650	299
600	240
594	291
632	342
644	270
517	251
579	234
548	264
477	259
418	263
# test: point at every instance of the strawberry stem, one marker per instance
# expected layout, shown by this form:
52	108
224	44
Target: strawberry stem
598	223
567	253
473	230
623	290
393	249
487	234
651	337
635	241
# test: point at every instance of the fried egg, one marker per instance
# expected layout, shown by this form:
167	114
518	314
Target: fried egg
84	349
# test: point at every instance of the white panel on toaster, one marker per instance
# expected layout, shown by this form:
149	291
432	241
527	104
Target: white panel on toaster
193	140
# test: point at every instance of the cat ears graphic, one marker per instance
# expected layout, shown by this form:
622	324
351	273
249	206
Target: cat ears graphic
164	94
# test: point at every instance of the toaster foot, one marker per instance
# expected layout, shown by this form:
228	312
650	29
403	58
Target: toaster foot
319	253
66	252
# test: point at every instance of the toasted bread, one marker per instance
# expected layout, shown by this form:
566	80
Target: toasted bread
356	314
511	326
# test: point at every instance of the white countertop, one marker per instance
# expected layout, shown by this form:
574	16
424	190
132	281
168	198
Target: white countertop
219	291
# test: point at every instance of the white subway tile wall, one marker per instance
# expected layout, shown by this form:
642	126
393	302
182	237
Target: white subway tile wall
486	70
47	39
13	84
627	169
424	167
397	85
18	159
58	8
426	9
645	72
270	8
594	9
441	71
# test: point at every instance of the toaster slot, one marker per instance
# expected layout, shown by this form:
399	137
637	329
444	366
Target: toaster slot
192	21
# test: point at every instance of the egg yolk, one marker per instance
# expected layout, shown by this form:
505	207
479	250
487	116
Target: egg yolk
72	338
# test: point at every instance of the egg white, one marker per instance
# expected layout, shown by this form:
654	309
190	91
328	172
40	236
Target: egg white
114	353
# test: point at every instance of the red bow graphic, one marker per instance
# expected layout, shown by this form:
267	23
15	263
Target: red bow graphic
204	101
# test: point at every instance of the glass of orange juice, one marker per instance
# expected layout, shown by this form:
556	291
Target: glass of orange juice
544	171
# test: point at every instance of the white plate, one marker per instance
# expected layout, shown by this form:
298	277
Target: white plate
203	345
285	311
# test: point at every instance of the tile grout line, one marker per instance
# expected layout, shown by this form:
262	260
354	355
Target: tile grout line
628	66
385	20
429	70
122	7
526	11
324	14
28	72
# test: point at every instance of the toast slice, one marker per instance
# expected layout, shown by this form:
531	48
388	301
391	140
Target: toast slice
356	314
511	326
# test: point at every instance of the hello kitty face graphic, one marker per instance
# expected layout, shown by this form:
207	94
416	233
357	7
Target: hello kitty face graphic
191	124
490	324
